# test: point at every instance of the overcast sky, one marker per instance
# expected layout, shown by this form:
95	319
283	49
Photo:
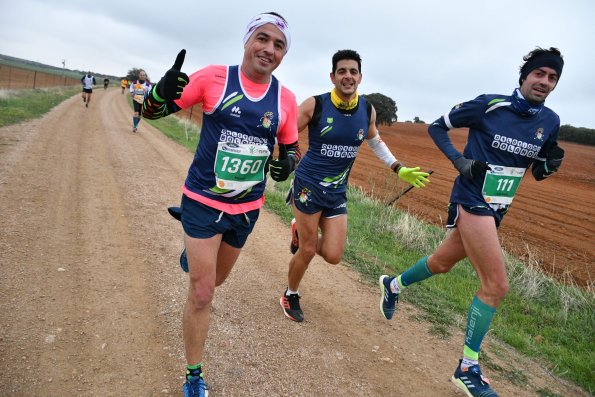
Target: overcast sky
427	55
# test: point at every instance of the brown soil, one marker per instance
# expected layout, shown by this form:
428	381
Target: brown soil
91	292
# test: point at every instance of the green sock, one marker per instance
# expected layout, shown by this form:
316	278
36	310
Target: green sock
479	319
194	371
416	273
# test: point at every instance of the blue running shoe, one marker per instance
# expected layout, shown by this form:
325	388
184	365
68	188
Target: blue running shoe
388	299
472	382
196	388
184	261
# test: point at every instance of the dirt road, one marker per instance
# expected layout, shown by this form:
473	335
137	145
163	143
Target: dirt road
91	292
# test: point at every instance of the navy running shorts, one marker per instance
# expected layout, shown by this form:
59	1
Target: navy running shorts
311	198
482	210
202	221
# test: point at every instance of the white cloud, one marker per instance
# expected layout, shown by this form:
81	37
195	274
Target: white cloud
424	54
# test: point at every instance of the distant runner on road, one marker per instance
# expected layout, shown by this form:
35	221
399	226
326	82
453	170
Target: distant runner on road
124	85
88	81
139	90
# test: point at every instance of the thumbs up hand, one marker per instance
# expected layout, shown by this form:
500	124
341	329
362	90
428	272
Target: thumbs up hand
283	166
171	85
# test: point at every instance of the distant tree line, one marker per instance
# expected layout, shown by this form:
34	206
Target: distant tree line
582	135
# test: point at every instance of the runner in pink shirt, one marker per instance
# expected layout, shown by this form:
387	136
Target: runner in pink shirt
246	113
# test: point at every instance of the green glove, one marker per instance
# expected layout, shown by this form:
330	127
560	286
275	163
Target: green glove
414	176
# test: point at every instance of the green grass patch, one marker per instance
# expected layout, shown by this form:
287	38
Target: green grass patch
539	317
180	130
22	105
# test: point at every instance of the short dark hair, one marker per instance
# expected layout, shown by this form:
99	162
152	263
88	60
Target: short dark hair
277	15
346	54
551	57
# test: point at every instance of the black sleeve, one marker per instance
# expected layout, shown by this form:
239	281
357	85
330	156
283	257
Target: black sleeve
316	113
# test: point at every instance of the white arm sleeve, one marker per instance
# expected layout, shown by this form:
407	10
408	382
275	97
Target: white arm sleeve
381	150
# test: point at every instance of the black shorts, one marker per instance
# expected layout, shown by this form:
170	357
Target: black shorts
482	210
138	107
88	90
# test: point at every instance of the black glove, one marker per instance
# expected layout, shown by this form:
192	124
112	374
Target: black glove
171	85
553	159
470	168
282	167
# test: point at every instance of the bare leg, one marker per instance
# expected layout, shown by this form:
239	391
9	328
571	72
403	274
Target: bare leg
210	262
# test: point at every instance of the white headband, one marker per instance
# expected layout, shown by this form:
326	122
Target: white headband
262	19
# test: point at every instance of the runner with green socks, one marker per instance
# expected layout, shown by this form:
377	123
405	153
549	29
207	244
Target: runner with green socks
507	135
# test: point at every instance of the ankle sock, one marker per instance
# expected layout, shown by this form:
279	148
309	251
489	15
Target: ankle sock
194	371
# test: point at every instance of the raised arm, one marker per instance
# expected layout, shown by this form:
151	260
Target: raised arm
160	101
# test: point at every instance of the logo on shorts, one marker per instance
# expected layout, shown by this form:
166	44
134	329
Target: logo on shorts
304	196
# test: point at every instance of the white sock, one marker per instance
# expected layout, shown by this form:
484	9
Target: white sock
467	362
394	286
290	292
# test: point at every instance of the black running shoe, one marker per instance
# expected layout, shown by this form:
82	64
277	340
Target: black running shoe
291	307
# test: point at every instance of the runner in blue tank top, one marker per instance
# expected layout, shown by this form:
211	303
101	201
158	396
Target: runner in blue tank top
507	135
338	122
246	111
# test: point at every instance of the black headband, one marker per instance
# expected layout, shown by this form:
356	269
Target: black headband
547	59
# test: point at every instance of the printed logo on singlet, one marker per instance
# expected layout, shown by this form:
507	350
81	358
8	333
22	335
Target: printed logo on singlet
515	146
235	111
230	100
539	134
266	121
328	128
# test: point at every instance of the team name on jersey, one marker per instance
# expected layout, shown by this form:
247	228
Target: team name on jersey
516	146
341	151
240	138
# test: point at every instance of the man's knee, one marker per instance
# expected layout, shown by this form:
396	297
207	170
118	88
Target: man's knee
200	296
308	247
439	265
496	289
334	258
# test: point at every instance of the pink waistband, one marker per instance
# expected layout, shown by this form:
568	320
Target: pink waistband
231	209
